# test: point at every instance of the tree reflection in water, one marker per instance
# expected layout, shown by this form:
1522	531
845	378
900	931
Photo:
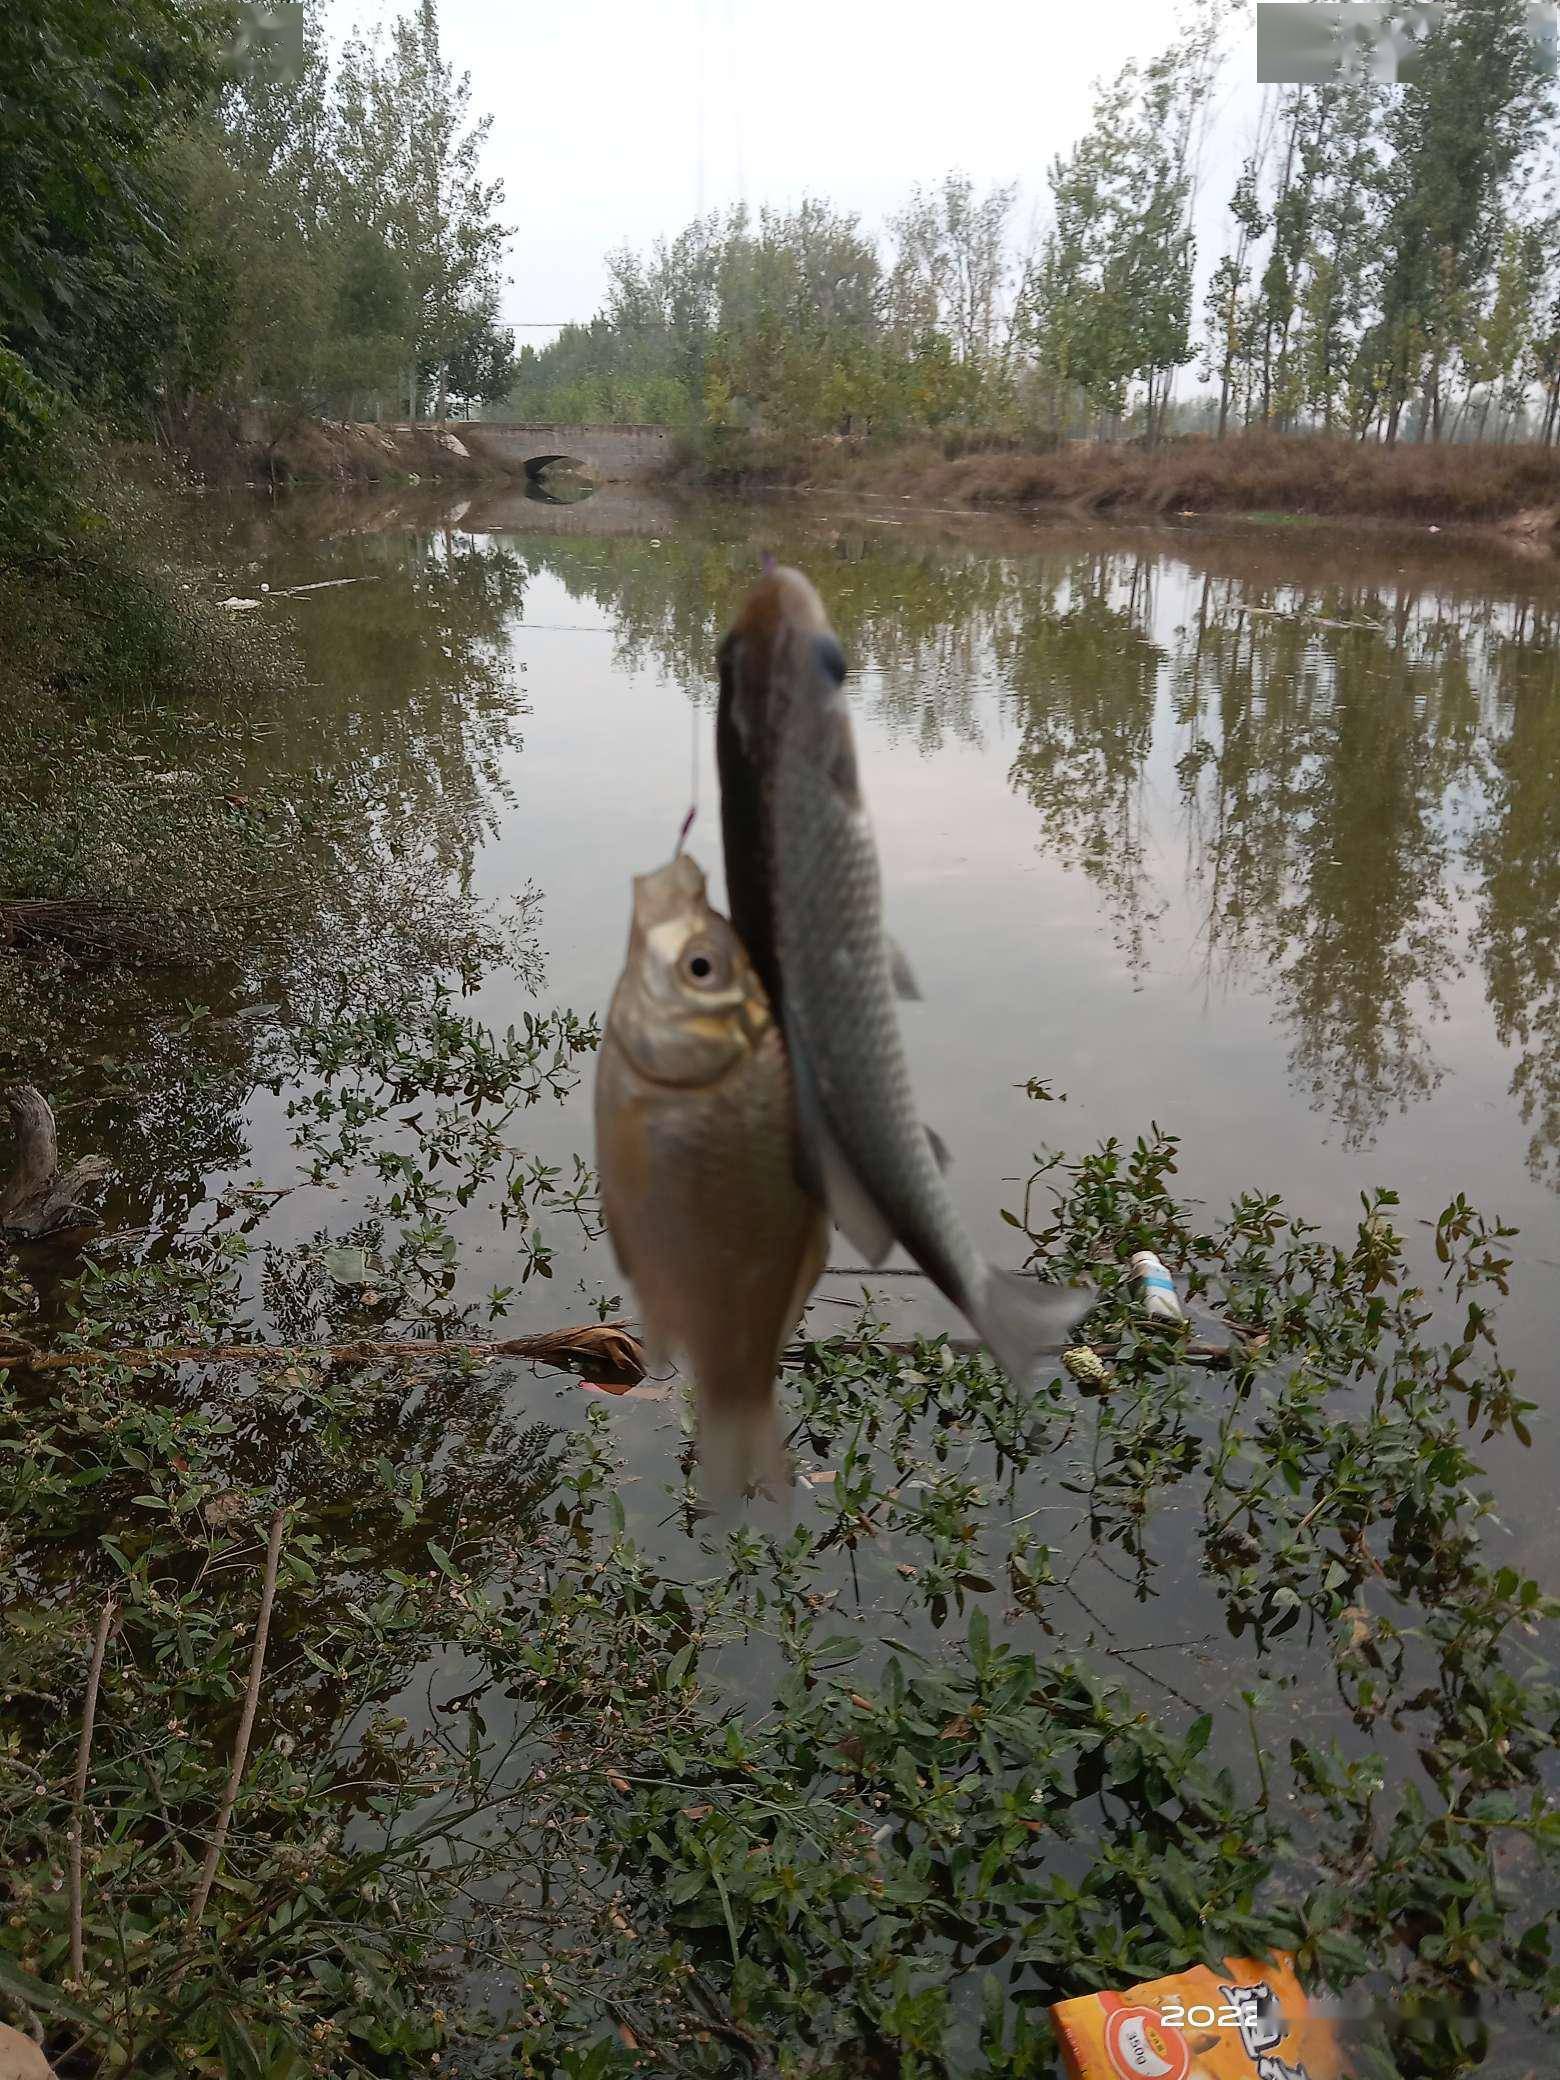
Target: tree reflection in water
1364	753
1353	754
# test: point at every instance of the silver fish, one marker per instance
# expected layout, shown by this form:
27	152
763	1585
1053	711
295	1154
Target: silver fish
695	1145
806	898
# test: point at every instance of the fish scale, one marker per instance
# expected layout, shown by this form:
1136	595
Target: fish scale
806	895
695	1146
840	1020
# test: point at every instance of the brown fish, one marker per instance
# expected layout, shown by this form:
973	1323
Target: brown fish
695	1146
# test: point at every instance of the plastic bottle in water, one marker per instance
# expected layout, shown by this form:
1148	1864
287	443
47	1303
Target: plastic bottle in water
1156	1288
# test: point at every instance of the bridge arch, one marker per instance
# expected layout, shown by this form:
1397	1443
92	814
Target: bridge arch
610	454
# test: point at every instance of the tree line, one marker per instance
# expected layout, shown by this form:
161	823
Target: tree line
195	217
198	212
1389	268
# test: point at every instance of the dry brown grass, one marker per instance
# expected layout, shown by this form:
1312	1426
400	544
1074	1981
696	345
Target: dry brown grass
253	447
1248	473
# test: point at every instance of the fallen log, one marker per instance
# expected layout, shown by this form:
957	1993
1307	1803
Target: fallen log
605	1347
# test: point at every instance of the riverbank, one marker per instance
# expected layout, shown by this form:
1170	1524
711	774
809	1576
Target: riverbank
1273	476
1278	475
251	447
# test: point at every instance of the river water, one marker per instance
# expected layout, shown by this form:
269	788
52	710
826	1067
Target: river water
1251	832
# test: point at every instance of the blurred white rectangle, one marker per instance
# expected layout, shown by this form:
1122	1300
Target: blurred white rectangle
267	39
1299	41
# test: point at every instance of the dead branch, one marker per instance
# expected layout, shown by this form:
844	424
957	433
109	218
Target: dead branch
79	1794
90	931
246	1727
606	1347
84	929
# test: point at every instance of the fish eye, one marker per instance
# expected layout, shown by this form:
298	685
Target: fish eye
704	965
831	657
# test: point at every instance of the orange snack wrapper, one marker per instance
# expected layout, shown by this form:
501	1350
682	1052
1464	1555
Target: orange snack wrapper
1250	2022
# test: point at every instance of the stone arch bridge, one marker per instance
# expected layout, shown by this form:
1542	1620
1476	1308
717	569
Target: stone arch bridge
612	454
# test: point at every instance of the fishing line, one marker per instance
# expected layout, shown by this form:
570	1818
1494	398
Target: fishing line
699	123
693	776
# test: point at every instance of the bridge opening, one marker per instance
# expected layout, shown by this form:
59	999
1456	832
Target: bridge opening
559	491
537	466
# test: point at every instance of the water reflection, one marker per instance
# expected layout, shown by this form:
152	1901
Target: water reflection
1515	851
361	794
1327	738
1359	772
1335	771
1082	671
558	488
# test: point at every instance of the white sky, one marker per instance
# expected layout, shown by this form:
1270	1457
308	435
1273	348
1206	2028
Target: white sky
616	122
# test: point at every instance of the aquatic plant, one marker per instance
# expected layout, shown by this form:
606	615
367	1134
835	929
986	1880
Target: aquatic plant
533	1786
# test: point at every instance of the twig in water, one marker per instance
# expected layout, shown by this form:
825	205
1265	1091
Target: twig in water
246	1727
79	1794
603	1346
724	2024
320	585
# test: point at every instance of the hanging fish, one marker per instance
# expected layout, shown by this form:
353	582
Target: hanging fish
695	1145
806	900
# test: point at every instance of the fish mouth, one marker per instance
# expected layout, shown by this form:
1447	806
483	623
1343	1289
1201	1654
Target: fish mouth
670	892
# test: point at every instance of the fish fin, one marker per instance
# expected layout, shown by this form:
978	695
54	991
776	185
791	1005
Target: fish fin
740	1446
823	1169
853	1212
815	1254
939	1147
1021	1319
905	985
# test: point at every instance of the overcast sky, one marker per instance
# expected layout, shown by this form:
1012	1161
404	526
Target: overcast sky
616	122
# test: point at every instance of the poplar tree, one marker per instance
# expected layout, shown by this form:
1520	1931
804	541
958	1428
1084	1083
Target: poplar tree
1335	291
1229	311
409	159
1454	140
1113	292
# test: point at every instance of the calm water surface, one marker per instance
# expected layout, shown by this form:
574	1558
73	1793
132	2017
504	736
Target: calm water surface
1252	833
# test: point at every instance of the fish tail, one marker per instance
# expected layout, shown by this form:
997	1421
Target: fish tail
740	1445
1020	1319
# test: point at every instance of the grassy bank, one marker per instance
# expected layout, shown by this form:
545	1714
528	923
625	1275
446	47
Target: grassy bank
1517	487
